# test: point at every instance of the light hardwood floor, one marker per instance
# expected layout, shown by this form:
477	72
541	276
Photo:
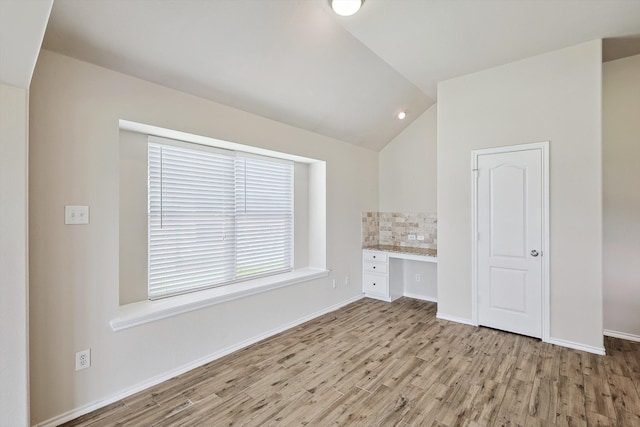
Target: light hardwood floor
383	364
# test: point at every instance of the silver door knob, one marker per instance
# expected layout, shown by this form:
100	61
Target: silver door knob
534	252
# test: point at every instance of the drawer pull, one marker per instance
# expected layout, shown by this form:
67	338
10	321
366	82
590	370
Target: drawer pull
374	284
374	257
374	267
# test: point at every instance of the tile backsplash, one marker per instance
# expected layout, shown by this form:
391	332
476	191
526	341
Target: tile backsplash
394	228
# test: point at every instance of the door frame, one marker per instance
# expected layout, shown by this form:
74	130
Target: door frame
544	147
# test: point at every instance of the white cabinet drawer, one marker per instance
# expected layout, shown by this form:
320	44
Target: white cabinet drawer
374	256
375	283
376	267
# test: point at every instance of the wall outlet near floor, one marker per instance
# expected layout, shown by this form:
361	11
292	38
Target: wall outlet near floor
418	277
421	238
412	237
346	279
83	359
333	282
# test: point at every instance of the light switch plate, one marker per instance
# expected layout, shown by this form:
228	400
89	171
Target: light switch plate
76	214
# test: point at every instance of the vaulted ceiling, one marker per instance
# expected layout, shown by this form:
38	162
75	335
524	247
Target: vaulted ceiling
297	62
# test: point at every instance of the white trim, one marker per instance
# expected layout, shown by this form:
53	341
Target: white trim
622	335
139	313
420	297
77	412
412	257
546	236
205	140
403	255
544	147
380	297
474	237
455	319
577	346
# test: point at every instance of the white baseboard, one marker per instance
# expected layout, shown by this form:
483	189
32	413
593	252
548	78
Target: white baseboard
455	319
77	412
420	297
622	335
577	346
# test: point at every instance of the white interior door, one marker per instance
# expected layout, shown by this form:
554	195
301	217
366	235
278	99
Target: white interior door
509	241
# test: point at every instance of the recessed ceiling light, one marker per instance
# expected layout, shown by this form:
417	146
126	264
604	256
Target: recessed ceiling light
402	115
346	7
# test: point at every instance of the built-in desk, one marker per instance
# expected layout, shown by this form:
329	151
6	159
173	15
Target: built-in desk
384	273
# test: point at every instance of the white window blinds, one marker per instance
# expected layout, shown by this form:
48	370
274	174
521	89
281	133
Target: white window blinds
215	217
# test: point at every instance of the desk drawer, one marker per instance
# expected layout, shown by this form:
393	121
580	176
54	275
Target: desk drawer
376	267
374	256
375	283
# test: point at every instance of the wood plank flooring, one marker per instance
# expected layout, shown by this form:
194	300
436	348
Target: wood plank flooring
394	364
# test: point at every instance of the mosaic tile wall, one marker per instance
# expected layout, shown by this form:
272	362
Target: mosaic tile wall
394	228
370	228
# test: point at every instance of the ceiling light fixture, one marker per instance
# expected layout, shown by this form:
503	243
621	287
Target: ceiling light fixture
402	115
346	7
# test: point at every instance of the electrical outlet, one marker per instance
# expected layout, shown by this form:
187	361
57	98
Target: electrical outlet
346	279
333	282
418	277
421	238
412	237
83	359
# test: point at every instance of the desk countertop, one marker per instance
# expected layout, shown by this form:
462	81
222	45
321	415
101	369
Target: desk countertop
403	250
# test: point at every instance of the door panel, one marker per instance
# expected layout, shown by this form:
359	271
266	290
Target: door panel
508	211
508	290
509	228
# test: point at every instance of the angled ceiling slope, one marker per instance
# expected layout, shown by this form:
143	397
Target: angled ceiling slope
435	40
297	62
22	27
290	61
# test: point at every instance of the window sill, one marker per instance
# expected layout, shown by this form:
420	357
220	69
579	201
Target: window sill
139	313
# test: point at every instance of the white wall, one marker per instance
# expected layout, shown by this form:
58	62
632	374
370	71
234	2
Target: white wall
553	97
22	25
407	168
407	183
132	217
621	172
74	157
14	369
427	287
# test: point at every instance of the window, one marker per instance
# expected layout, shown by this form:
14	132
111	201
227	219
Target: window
215	217
307	242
